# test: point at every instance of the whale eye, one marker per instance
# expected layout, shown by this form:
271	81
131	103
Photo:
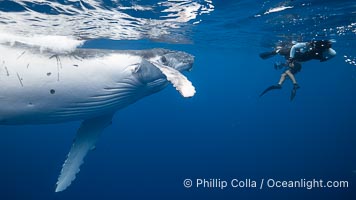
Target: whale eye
163	59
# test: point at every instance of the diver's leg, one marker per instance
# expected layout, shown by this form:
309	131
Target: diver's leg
295	87
283	78
292	77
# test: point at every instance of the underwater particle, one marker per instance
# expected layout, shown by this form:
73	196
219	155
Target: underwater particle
75	65
52	91
49	74
350	60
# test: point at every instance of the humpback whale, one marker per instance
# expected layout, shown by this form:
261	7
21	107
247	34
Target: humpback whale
40	86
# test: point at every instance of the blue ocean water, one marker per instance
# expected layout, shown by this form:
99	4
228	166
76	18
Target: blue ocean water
225	131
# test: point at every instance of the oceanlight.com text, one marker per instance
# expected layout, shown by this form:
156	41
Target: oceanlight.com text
217	183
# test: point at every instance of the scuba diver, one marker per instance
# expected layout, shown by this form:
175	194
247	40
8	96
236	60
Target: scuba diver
295	53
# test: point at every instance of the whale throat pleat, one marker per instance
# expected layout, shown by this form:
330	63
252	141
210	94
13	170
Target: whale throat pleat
109	99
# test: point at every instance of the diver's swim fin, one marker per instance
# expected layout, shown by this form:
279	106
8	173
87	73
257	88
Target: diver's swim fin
267	55
273	87
294	91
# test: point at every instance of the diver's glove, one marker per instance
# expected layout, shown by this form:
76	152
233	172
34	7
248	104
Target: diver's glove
290	60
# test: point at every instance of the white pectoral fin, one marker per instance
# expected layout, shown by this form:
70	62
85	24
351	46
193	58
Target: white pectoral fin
85	140
178	80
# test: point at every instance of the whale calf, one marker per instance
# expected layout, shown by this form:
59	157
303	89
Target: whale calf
42	86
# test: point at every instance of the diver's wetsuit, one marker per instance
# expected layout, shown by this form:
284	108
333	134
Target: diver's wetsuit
299	52
305	51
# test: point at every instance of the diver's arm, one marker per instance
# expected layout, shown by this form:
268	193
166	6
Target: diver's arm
295	47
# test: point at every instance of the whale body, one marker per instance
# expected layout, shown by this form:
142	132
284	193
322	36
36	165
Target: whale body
42	86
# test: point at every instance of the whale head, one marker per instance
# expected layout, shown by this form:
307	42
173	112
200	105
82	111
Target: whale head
149	71
178	60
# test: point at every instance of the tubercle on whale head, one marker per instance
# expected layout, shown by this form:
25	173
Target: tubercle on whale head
178	60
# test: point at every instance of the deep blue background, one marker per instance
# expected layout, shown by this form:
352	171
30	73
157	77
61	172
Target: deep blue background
226	131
